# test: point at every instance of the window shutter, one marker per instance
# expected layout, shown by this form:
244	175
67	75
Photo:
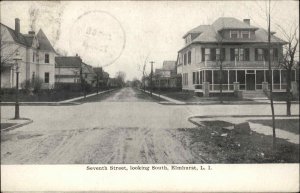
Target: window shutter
232	54
202	54
213	54
256	54
247	54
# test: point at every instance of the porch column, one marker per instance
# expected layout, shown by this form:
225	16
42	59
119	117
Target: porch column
294	86
205	89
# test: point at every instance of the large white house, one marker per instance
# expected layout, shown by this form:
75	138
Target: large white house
242	49
35	51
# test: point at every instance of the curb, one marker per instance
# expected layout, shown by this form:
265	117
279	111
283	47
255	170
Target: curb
39	103
67	102
18	125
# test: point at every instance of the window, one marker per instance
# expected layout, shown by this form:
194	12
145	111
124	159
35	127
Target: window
241	54
236	54
185	79
208	74
245	34
184	59
194	77
241	76
46	77
189	57
259	54
231	76
200	77
234	34
207	54
260	76
46	58
275	54
197	78
33	56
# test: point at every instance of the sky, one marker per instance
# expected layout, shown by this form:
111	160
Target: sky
121	35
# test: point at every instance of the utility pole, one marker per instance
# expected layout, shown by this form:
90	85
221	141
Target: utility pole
151	75
270	77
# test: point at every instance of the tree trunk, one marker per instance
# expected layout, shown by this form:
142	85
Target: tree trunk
221	83
288	92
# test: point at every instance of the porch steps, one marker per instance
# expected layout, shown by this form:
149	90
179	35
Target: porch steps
254	95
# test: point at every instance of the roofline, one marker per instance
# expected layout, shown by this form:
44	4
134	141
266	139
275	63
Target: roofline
230	43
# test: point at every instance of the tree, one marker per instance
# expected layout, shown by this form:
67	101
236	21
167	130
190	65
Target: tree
220	58
120	77
287	61
142	68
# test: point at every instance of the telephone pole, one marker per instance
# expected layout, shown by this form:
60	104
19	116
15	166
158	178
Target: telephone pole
151	75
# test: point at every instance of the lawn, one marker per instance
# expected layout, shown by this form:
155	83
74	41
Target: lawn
215	144
291	125
189	97
42	96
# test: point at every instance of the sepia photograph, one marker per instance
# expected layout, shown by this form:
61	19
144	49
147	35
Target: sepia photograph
149	88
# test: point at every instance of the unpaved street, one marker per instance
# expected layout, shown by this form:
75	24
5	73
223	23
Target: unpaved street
126	127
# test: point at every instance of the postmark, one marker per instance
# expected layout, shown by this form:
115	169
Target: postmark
98	37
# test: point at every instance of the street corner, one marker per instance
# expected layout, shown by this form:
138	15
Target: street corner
9	124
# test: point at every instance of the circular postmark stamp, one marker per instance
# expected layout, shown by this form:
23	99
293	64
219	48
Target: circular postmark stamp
98	37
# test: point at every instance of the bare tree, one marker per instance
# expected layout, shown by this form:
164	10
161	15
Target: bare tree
220	58
120	76
287	61
142	68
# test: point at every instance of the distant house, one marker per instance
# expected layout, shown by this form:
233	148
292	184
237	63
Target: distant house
166	77
243	50
113	83
36	53
67	69
88	74
71	69
103	77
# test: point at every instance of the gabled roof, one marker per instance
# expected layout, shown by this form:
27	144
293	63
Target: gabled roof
26	39
44	43
68	62
18	38
87	68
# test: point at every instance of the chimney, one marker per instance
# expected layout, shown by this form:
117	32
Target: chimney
31	33
247	21
17	25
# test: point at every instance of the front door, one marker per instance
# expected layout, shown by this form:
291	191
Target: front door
250	81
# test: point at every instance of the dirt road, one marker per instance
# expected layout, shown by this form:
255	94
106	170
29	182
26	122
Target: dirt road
115	130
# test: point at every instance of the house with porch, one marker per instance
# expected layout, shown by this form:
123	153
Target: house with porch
166	77
36	56
239	49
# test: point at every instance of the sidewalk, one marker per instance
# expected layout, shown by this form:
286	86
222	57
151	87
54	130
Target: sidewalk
166	98
8	124
172	101
257	127
64	102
